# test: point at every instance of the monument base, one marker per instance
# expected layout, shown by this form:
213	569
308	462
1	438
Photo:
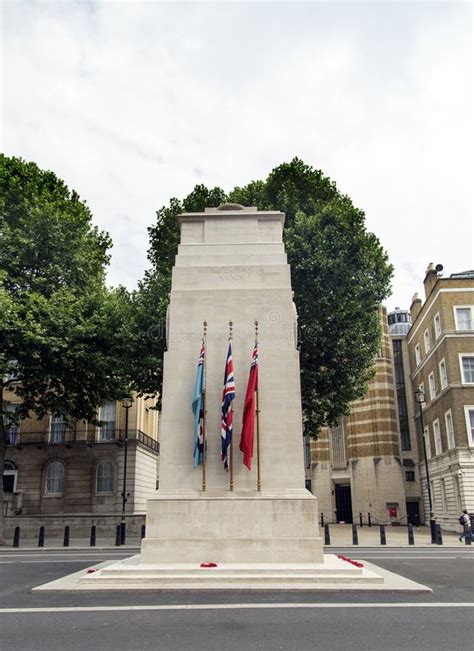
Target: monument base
232	527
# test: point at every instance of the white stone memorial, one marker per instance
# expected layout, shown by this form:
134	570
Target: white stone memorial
231	266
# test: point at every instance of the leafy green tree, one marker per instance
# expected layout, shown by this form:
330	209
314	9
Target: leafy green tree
60	328
340	276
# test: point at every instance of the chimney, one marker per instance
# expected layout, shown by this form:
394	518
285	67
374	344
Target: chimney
430	279
415	307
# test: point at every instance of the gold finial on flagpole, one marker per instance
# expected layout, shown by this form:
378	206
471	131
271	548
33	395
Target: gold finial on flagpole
204	324
231	329
256	328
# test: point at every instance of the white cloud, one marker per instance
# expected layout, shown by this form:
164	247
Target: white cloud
132	103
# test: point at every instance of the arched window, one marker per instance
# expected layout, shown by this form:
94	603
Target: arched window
105	477
10	472
55	478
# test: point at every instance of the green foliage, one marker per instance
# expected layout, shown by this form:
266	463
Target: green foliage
340	276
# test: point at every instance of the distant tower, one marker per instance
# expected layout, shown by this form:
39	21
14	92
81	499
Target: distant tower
399	322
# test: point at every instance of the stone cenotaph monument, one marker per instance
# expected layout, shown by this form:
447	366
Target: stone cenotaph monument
231	266
206	532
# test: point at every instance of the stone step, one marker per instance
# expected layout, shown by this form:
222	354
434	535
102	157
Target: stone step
217	573
127	579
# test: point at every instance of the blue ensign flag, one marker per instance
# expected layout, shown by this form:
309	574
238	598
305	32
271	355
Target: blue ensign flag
198	408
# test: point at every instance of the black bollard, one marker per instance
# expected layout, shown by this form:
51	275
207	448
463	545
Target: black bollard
439	537
92	539
66	536
142	534
360	520
411	537
369	519
117	536
383	540
417	520
355	540
41	537
467	535
16	537
322	520
327	537
122	533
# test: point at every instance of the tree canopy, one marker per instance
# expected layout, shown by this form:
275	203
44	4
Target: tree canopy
340	276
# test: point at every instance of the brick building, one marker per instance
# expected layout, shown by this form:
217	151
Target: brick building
441	354
58	472
357	466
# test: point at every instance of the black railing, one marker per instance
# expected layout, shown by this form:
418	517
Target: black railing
89	437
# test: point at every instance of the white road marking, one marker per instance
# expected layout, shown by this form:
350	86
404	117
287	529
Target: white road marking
92	609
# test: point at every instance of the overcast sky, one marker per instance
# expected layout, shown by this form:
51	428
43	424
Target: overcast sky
132	103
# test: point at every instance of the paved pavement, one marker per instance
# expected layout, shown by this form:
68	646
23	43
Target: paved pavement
235	620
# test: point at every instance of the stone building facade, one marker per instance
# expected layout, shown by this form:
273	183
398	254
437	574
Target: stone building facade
58	472
441	354
357	466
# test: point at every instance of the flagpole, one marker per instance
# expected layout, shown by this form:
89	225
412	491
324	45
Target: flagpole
257	411
204	412
231	454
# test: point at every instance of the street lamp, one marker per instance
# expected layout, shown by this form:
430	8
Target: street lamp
420	399
126	404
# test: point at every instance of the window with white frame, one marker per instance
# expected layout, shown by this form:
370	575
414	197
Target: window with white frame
422	389
426	436
107	418
437	326
12	429
437	437
443	376
105	477
448	419
469	413
432	386
427	340
55	478
464	317
417	354
57	432
467	368
10	472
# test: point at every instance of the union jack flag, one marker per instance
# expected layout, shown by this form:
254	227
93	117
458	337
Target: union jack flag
228	395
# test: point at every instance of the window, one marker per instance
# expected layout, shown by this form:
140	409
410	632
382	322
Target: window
448	419
437	437
105	477
457	492
107	417
437	326
467	369
464	317
426	436
427	341
409	475
12	429
9	477
401	394
55	478
417	354
432	386
422	389
58	429
443	376
469	412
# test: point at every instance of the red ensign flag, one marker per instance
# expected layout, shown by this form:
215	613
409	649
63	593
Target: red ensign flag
248	426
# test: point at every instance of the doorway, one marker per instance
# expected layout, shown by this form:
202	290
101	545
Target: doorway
413	513
343	503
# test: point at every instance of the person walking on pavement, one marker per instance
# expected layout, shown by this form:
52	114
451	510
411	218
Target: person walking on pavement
465	522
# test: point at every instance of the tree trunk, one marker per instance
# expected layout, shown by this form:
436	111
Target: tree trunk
3	447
